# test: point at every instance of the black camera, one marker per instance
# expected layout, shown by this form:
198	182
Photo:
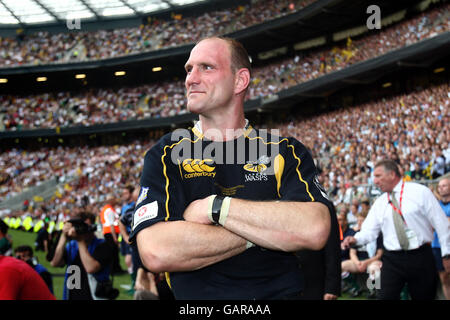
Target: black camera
82	227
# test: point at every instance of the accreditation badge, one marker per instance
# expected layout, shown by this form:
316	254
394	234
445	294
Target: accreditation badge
412	238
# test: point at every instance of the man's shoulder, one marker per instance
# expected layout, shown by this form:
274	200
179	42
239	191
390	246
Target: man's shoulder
417	187
169	141
13	266
382	198
273	136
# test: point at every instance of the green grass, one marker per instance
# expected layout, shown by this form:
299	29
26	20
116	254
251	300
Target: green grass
27	238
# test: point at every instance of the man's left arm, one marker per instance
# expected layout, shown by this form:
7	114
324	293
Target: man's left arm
286	226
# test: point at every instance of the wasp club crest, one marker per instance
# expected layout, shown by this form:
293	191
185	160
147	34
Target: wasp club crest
257	166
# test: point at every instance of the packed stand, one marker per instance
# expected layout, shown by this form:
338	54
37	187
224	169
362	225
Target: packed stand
410	128
88	174
167	98
44	48
96	106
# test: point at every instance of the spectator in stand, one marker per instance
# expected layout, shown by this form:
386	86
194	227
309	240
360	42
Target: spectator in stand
25	253
352	215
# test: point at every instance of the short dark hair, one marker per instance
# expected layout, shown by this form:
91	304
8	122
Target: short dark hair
130	188
24	248
239	55
389	165
87	215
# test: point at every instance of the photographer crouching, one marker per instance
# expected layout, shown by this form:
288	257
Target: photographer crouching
88	260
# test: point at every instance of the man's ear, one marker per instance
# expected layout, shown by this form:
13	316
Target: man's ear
242	80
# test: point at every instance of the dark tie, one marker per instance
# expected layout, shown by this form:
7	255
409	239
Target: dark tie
399	225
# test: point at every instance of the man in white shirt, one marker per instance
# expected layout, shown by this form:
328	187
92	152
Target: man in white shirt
408	258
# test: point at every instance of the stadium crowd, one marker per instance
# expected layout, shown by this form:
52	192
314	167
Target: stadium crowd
165	99
44	48
410	128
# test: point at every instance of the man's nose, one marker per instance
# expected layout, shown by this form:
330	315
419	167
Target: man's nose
192	77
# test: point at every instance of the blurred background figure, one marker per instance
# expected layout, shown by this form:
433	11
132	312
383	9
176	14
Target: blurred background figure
444	195
125	222
19	281
110	226
25	253
88	260
5	240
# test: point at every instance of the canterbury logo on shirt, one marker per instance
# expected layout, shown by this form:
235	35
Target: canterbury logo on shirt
198	168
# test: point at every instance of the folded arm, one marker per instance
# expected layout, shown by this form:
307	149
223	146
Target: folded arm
277	225
186	246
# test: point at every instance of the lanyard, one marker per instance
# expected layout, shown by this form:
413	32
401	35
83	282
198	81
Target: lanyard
398	210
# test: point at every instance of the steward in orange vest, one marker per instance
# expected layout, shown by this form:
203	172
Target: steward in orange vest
110	223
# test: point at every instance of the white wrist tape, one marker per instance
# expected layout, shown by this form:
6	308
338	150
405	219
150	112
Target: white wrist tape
224	210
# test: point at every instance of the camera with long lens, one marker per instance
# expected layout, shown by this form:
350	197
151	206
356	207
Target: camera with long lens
82	227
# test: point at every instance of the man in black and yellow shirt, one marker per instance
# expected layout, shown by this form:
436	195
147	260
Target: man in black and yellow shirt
223	206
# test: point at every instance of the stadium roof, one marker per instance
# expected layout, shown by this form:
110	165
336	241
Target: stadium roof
25	12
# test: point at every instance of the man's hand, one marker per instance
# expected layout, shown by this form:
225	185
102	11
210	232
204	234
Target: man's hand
67	228
70	232
329	296
362	265
348	242
197	211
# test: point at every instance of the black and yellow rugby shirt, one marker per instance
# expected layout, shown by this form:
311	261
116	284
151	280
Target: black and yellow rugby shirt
255	166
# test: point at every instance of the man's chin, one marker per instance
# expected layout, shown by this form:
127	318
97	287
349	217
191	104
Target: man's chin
193	109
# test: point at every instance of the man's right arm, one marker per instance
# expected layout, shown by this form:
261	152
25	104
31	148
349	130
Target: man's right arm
370	228
186	246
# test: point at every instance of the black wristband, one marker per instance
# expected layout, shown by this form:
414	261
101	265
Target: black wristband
216	206
447	256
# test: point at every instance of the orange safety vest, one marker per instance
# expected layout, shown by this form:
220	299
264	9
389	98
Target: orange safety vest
106	210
